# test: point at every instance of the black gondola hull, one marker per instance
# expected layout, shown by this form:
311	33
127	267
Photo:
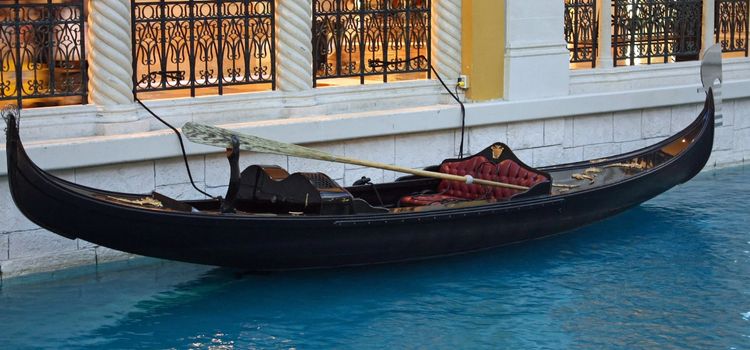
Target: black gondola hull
300	242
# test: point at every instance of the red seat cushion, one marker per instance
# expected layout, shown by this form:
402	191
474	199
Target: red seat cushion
507	171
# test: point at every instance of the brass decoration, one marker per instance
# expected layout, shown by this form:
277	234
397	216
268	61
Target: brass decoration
592	171
562	188
583	177
497	151
632	165
148	201
565	186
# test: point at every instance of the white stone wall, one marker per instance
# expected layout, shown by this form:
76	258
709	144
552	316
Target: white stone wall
536	57
575	138
25	248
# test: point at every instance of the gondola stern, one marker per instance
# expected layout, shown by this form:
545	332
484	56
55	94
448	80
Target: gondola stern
19	179
13	144
10	116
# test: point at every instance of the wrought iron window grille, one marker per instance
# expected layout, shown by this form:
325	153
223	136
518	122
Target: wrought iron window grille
196	44
351	36
41	51
731	25
582	30
655	31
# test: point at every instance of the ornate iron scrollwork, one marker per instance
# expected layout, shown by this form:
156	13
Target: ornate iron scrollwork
41	50
8	112
731	25
653	31
349	34
190	44
581	30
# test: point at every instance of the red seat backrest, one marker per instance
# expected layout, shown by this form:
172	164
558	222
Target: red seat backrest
507	171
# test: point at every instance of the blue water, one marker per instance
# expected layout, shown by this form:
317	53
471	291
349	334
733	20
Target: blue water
672	273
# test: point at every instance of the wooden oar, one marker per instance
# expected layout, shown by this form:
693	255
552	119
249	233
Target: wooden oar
215	136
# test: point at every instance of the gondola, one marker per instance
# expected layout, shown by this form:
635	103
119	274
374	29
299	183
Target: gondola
278	221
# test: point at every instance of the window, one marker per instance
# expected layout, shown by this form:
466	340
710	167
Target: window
351	39
581	32
41	52
202	47
647	31
731	26
656	31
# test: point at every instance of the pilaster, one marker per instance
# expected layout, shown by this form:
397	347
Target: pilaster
537	61
294	45
709	38
446	38
111	67
604	57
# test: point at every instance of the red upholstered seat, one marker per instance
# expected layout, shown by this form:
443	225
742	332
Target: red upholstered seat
507	171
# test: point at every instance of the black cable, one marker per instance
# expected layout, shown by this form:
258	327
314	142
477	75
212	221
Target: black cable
373	63
463	123
380	63
182	147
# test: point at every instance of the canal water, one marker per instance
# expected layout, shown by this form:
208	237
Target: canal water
672	273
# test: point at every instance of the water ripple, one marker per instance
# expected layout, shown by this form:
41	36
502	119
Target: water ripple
670	274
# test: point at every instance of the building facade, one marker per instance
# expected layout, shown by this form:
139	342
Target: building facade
558	80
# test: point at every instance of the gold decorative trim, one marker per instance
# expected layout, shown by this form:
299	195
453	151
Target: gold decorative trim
565	186
632	165
148	201
592	171
583	177
497	151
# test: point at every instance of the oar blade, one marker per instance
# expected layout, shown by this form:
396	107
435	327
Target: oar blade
207	135
219	137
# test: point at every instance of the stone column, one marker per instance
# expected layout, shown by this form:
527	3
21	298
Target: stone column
446	38
294	45
537	59
604	50
709	38
110	67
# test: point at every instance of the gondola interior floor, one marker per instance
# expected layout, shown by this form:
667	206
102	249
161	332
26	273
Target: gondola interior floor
671	273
